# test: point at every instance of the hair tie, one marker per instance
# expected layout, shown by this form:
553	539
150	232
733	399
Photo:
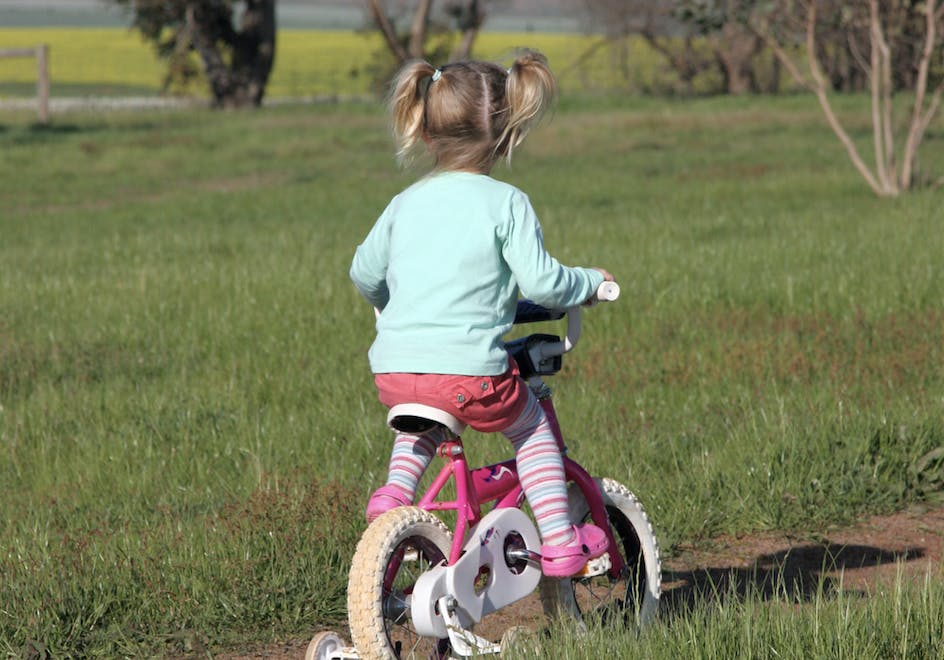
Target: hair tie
437	74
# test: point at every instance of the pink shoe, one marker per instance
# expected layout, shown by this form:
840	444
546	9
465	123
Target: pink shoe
384	499
566	560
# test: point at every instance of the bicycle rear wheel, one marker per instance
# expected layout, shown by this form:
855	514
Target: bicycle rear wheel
394	551
633	599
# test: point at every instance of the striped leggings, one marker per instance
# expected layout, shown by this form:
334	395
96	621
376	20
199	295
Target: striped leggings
540	469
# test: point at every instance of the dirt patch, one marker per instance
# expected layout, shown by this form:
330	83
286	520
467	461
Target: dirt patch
872	553
869	554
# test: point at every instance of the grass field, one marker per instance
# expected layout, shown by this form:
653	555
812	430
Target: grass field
188	429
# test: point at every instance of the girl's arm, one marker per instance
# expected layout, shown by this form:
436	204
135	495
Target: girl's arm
540	276
369	268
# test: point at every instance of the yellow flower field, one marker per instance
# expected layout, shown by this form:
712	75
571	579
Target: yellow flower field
308	62
99	56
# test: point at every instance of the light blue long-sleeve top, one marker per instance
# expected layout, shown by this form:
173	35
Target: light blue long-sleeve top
445	263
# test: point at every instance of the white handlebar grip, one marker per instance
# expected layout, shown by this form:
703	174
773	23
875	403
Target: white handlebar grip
608	291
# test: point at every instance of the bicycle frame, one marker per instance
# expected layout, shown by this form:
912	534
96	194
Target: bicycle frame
499	483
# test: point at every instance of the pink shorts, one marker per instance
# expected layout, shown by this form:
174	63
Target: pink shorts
486	403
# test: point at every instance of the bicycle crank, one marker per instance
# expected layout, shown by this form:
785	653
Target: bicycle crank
497	568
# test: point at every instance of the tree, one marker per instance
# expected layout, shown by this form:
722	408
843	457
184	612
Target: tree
236	51
693	36
878	34
617	20
465	16
722	24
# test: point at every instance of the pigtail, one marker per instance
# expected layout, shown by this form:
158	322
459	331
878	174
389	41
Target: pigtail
406	106
469	114
530	89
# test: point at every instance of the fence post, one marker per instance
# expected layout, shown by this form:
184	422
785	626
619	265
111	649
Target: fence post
41	53
42	81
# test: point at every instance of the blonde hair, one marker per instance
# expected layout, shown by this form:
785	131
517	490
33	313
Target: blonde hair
469	114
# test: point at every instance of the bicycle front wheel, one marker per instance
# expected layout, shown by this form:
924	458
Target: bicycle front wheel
395	550
633	599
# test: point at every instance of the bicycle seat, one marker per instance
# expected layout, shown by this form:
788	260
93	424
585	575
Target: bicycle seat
417	418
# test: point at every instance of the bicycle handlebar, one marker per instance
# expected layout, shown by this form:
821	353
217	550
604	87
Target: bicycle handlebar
606	292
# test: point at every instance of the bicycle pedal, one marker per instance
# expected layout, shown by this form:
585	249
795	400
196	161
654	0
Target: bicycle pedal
595	567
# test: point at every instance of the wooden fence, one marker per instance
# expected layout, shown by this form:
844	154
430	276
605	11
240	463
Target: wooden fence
41	53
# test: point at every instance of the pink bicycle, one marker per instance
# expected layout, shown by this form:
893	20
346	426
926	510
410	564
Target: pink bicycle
418	589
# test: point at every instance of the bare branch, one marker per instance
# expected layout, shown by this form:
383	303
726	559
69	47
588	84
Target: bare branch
819	79
820	90
888	88
470	31
587	54
920	120
387	29
418	29
685	62
857	54
464	47
880	79
932	107
781	55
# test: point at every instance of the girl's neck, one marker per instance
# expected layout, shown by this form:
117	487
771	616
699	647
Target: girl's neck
463	171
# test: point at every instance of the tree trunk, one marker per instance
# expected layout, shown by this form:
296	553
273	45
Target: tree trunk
241	81
773	84
388	31
254	50
735	50
470	21
418	28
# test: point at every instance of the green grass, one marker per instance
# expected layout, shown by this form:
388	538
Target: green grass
188	427
901	620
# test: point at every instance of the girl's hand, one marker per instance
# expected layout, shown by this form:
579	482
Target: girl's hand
606	275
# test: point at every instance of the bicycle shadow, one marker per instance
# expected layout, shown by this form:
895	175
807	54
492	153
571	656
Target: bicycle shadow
797	574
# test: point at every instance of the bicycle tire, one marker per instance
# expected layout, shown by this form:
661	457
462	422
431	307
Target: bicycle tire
393	552
632	599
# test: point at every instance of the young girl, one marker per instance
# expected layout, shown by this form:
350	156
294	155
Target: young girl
444	264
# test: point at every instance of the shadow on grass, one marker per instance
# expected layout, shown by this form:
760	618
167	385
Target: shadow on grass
37	133
798	574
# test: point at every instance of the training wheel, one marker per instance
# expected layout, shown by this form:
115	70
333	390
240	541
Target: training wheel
323	646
